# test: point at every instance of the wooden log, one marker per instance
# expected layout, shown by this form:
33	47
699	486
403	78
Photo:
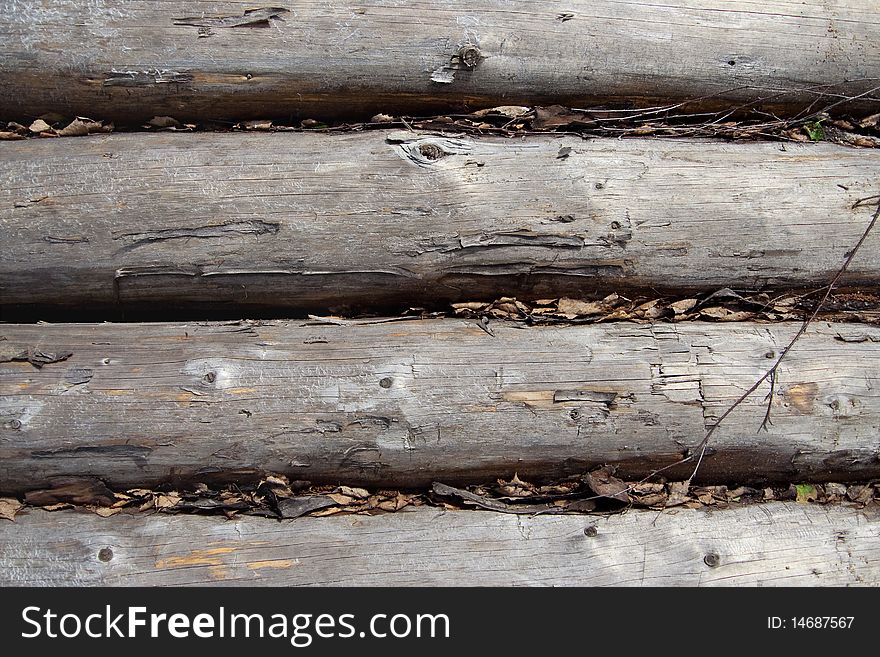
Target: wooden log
249	223
211	60
775	544
407	403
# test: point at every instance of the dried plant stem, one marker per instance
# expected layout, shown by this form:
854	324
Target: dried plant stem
771	373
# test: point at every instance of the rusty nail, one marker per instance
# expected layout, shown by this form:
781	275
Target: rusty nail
712	560
386	382
105	554
591	531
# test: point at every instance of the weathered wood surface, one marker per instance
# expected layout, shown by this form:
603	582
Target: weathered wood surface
133	60
244	223
775	544
407	403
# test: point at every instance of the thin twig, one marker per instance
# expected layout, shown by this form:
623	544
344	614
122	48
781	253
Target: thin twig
772	371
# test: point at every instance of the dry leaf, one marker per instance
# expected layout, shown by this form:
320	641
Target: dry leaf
164	122
574	307
683	306
39	126
357	493
678	493
510	111
342	500
167	500
9	506
257	125
603	483
76	128
327	512
103	511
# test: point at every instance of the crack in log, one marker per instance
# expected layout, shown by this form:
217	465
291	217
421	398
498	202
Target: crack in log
146	78
251	227
136	452
260	17
529	269
523	238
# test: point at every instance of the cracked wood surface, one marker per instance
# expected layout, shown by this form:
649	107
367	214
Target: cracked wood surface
774	544
237	223
130	61
407	403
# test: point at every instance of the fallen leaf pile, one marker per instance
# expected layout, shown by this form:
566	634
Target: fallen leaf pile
513	120
50	125
275	496
724	305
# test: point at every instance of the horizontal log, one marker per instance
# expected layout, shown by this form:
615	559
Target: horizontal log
407	403
210	60
775	544
236	224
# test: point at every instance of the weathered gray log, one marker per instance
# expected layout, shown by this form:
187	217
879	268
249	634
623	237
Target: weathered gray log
775	544
407	403
133	60
245	223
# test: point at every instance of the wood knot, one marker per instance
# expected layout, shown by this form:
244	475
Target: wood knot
469	55
431	151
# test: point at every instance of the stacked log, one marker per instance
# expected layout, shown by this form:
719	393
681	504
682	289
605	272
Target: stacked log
279	303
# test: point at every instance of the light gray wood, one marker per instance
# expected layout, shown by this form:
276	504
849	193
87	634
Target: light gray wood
774	544
244	223
133	60
408	403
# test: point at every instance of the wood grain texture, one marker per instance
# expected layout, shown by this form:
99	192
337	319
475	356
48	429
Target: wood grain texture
238	223
130	61
407	403
775	544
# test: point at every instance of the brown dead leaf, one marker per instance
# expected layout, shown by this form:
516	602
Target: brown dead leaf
104	511
509	111
555	116
257	125
678	493
872	121
9	136
602	482
575	308
9	506
356	493
164	122
327	512
76	128
860	494
39	126
340	499
167	500
683	306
